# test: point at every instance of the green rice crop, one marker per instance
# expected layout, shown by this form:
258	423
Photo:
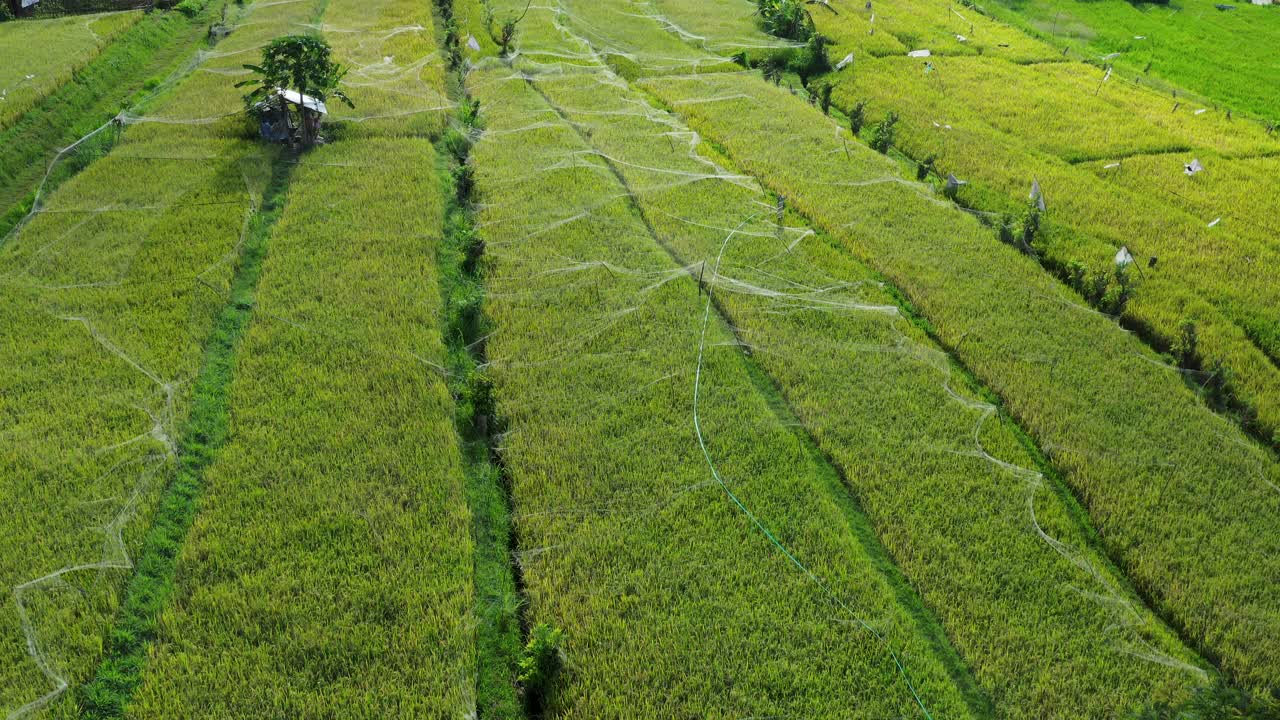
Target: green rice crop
153	47
1226	56
1053	107
1147	106
329	569
899	422
36	56
963	115
142	246
395	69
723	27
114	285
673	603
1181	499
471	16
540	35
341	418
632	34
109	306
1236	190
206	103
1235	194
785	433
585	32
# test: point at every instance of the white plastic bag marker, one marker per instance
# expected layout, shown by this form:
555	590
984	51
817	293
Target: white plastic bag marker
1124	257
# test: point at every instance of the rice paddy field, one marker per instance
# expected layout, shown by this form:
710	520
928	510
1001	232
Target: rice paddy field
1219	51
40	55
620	359
1090	143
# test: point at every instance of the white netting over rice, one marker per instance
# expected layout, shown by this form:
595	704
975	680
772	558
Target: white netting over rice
885	404
113	283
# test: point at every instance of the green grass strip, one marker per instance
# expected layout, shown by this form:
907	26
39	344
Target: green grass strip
152	584
498	593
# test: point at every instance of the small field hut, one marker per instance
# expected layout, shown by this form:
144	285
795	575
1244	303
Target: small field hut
291	117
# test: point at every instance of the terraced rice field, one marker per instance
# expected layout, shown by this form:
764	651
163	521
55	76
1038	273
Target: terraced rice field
40	55
1219	53
1086	140
597	487
584	370
1074	361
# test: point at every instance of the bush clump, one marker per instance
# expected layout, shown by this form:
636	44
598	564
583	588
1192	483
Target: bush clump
786	19
858	116
790	20
883	134
540	664
824	98
189	8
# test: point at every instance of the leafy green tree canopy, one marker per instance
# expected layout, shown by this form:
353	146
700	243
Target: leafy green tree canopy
786	19
296	62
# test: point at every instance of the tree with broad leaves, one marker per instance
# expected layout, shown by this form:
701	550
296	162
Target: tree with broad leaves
295	62
787	19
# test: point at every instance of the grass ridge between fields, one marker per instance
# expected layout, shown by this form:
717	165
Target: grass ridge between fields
499	587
